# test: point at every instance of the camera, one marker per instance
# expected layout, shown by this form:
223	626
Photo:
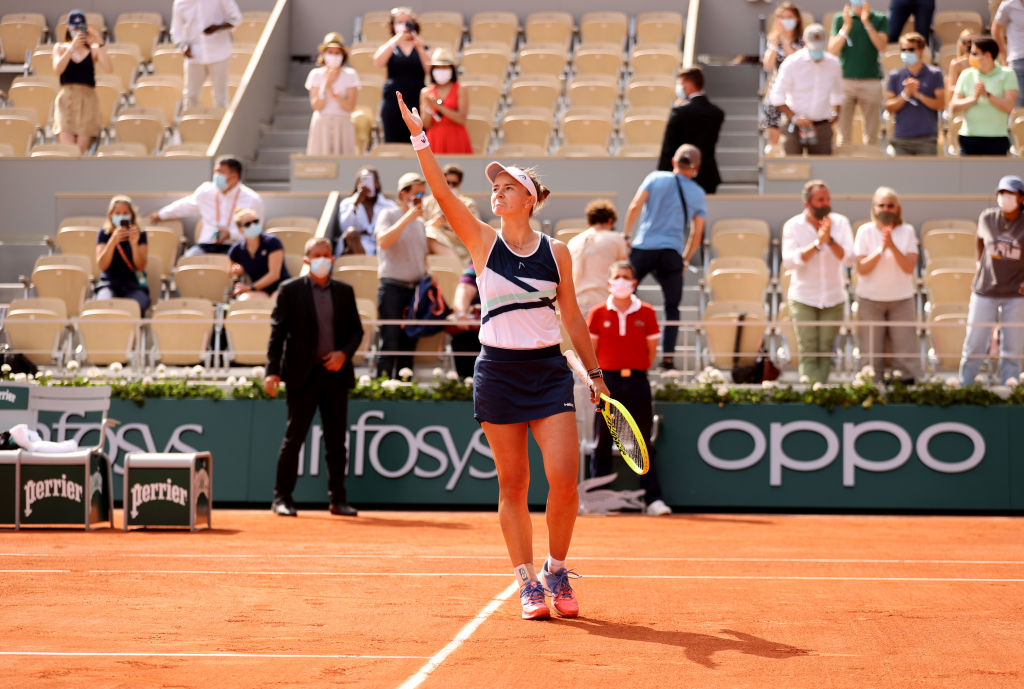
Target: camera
412	27
126	223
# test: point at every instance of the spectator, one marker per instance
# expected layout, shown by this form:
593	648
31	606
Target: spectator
900	11
671	208
625	334
121	253
257	261
465	333
333	89
785	38
959	63
886	255
915	97
444	106
816	245
1008	30
438	229
407	62
594	251
215	203
402	250
201	30
76	110
358	213
697	121
808	90
314	331
985	94
998	285
859	34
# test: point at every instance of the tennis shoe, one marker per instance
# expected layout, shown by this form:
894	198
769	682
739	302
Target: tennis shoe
657	508
562	597
531	597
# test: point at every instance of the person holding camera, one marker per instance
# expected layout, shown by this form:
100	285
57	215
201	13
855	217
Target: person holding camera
358	213
407	61
76	111
402	249
121	253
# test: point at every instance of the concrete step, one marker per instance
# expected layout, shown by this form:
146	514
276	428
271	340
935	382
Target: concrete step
271	186
737	188
291	122
739	173
737	106
267	173
292	105
736	156
277	155
738	139
283	138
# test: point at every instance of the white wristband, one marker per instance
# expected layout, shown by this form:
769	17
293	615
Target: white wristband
420	141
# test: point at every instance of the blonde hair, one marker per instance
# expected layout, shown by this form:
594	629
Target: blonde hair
542	191
108	225
890	194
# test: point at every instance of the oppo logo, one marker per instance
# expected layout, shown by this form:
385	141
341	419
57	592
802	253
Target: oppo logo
852	460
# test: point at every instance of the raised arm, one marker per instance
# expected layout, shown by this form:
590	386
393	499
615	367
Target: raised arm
476	235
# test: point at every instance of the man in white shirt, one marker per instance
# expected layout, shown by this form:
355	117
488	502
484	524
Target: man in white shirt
215	202
808	90
816	246
201	29
1008	30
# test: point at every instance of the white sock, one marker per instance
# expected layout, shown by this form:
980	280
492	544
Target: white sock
525	573
551	565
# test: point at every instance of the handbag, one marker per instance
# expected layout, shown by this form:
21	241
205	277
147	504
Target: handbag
427	304
761	370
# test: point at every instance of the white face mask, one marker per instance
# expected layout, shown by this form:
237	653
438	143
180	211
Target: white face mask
321	267
621	288
442	76
1007	202
680	92
332	60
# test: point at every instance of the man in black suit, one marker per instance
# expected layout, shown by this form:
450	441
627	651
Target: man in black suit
314	331
697	121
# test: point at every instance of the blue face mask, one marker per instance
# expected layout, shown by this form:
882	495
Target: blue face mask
816	55
220	181
856	3
788	23
253	230
909	58
321	267
117	218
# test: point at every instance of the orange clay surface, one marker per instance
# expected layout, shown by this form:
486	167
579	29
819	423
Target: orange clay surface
423	599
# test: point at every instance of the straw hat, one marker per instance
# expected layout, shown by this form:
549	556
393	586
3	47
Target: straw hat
442	56
332	40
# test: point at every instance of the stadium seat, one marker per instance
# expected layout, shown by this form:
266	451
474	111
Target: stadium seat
370	88
593	91
375	27
110	93
360	58
737	278
367	314
545	59
526	126
947	329
66	277
722	319
634	150
141	28
940	242
582	151
604	27
946	26
250	29
948	280
293	238
651	92
392	150
164	243
79	240
500	27
657	60
741	237
485	59
41	61
241	53
184	150
359	261
481	91
644	125
549	27
519	151
442	28
35	327
602	59
198	125
19	34
181	328
160	91
168	59
248	328
145	126
535	91
659	27
122	150
108	329
586	126
362	279
126	59
57	150
206	276
36	93
479	124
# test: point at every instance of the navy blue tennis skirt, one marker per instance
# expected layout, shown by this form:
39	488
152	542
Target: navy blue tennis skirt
516	385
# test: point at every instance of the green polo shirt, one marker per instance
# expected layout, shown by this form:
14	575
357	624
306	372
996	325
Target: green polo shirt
983	118
859	56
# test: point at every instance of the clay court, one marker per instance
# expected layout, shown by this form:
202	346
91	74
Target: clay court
395	600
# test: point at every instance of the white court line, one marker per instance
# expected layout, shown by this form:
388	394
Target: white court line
128	654
439	657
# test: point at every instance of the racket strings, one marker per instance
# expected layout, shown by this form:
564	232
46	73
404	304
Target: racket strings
622	434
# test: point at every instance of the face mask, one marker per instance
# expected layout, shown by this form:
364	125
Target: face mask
253	230
816	55
442	76
680	92
909	58
117	219
788	23
332	60
974	62
856	3
621	288
321	267
369	182
821	212
220	181
1007	202
886	218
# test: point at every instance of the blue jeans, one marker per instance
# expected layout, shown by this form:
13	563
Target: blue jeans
1018	67
667	266
1011	344
900	11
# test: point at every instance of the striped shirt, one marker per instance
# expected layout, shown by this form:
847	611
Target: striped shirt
517	296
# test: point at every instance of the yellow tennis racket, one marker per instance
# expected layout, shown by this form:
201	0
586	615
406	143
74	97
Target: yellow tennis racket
620	422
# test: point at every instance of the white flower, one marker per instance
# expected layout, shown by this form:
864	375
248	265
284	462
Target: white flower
437	372
364	380
19	376
868	372
31	377
5	369
197	371
1012	383
231	381
391	385
161	369
817	386
769	384
672	374
94	372
147	380
897	374
116	367
73	365
723	391
243	382
161	377
258	372
468	381
953	382
804	379
452	375
405	373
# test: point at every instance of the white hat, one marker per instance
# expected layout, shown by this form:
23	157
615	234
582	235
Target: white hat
493	169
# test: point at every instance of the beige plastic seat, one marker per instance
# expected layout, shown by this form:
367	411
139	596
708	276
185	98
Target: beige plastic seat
293	238
737	278
66	278
146	126
206	276
480	126
604	27
952	144
108	330
248	327
17	130
6	150
519	151
363	280
442	28
37	93
482	90
947	26
168	59
942	241
602	59
35	327
1017	134
784	326
182	330
582	151
79	240
41	61
567	233
161	91
948	280
250	29
500	27
128	149
542	59
447	277
358	260
126	59
947	331
392	150
198	125
360	58
370	88
592	91
651	92
20	33
110	94
241	53
367	310
644	126
164	243
446	262
375	27
141	28
637	150
191	150
591	126
741	237
55	151
659	27
721	320
526	126
93	221
535	91
961	224
549	27
309	222
655	60
485	59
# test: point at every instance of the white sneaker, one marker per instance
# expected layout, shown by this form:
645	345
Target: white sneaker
658	508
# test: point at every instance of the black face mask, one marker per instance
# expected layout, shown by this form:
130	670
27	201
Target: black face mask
821	212
886	217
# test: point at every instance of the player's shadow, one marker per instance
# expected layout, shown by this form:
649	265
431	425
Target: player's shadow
699	648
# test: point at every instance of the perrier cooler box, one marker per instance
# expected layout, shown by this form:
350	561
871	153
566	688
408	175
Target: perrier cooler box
167	489
64	488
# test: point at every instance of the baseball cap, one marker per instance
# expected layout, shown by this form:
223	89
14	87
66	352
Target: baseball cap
76	19
496	168
815	37
1011	183
688	155
409	179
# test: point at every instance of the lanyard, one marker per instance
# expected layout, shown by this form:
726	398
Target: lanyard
131	266
231	213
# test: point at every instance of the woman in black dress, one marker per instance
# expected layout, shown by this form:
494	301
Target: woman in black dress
407	61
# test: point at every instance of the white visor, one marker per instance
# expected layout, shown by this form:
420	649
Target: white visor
494	168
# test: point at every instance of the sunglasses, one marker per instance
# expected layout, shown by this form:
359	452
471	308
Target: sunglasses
976	53
452	182
251	222
885	205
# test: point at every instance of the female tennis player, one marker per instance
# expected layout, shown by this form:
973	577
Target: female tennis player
521	381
